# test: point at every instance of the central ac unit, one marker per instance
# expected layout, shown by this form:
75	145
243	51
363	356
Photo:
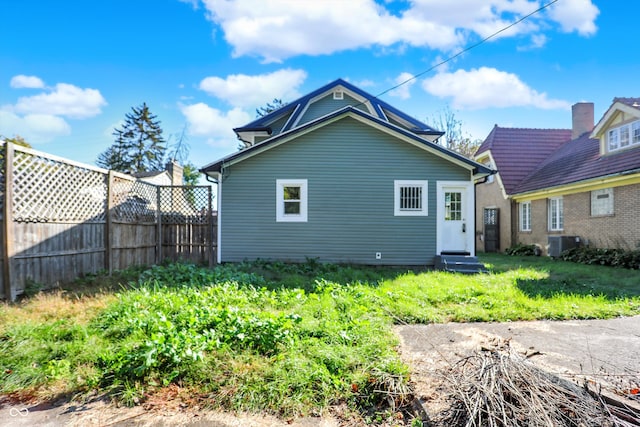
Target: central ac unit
559	244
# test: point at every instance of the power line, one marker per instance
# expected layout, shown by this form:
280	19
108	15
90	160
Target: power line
468	48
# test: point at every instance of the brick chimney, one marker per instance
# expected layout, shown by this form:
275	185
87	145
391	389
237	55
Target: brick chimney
175	170
582	118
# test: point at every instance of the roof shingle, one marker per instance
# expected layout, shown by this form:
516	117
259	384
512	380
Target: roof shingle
517	152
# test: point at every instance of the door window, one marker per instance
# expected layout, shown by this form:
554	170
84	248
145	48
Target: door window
453	206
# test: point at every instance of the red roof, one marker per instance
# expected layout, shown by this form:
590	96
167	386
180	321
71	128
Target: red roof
518	152
580	160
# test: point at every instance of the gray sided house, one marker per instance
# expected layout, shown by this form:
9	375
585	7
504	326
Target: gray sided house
341	176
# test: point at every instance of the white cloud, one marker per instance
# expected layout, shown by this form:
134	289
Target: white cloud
279	29
34	128
241	90
217	125
486	88
403	92
575	15
64	100
30	82
276	30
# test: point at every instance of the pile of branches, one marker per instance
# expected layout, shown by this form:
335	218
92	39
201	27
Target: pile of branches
500	388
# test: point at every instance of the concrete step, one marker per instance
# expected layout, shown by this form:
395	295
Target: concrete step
465	264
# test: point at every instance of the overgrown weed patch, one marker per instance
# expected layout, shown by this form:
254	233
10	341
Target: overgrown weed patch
275	337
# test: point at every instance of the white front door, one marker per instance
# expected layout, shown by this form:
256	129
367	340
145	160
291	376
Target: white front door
455	217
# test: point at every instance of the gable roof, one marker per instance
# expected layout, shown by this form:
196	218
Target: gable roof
630	106
294	110
517	152
353	112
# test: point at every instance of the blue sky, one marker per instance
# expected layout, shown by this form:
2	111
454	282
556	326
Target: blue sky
71	69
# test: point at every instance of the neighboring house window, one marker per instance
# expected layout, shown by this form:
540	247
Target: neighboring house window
635	132
525	216
613	139
556	214
410	198
291	200
602	202
624	136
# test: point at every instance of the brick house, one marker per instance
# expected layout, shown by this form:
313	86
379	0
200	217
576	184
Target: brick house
563	185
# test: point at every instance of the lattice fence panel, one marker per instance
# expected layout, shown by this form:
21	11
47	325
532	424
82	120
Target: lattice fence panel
181	205
48	190
134	201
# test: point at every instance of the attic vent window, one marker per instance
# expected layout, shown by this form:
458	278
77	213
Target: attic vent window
338	94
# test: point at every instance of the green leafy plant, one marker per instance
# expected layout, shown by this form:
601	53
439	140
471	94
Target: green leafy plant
523	250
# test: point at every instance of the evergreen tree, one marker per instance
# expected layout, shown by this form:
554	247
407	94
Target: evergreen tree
139	144
269	107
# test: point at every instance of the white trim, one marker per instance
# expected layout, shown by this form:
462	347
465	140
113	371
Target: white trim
219	219
293	114
617	132
521	215
294	133
362	100
281	216
604	123
424	208
560	213
470	213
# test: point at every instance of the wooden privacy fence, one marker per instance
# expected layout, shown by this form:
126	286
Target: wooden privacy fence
61	219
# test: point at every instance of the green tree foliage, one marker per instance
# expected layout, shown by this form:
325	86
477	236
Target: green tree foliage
18	140
190	174
454	138
269	107
139	144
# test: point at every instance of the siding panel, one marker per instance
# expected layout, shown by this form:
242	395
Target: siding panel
350	168
328	105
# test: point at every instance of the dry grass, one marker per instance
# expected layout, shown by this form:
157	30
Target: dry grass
51	306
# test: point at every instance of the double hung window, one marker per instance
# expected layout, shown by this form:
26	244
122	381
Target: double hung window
291	200
525	216
556	214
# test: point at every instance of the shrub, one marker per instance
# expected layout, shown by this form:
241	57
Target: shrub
520	249
601	256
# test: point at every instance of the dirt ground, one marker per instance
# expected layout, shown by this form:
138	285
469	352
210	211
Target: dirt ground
602	351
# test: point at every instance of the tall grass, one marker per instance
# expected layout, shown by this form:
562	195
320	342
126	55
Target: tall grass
289	339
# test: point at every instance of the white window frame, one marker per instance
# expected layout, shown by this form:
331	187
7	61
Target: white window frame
556	214
398	186
338	94
613	139
281	216
635	132
525	216
602	202
623	136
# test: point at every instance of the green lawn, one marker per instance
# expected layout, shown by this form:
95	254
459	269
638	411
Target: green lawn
281	338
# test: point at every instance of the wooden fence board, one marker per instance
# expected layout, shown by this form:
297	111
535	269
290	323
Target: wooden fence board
58	232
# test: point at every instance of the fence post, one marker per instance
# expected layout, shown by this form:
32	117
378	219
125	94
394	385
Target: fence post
9	287
108	224
159	222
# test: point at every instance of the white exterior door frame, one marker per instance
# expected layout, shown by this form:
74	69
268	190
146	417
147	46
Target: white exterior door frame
468	216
